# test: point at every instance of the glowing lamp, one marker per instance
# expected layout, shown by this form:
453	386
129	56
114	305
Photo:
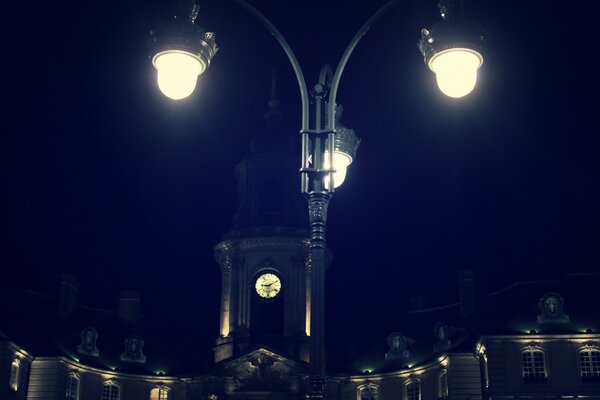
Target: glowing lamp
456	70
177	73
345	145
341	161
452	50
182	51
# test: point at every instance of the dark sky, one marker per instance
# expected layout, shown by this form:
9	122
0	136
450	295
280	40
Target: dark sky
105	178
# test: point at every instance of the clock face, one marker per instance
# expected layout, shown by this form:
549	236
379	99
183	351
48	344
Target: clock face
268	285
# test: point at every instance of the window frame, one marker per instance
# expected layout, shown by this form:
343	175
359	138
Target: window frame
373	388
411	382
162	389
594	375
73	376
533	377
111	383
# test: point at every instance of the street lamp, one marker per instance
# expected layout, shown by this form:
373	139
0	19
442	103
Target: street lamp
184	52
451	49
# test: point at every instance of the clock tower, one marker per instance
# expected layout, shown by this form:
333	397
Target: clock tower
264	259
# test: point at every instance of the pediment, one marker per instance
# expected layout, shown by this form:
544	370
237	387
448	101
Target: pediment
261	369
261	355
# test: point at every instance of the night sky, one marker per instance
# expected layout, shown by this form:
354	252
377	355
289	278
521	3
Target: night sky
105	178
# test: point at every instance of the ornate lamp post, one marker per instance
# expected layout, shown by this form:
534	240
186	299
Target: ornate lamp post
451	49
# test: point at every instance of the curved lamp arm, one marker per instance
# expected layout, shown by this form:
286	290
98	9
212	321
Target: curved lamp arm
344	60
291	56
335	81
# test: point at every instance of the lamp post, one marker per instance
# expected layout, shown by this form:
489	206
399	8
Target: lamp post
451	49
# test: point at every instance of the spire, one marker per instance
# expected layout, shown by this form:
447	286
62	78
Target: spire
273	115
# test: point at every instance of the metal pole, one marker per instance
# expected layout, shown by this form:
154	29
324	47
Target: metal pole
313	181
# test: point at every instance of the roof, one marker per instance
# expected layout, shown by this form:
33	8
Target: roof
513	310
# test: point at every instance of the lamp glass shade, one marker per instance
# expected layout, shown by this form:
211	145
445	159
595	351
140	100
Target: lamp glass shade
177	73
341	161
456	70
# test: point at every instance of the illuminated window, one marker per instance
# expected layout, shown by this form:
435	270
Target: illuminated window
159	393
533	364
72	387
412	390
443	382
368	392
15	368
111	391
589	362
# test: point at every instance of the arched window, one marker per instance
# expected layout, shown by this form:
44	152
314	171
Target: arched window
443	384
412	390
15	369
159	393
368	391
72	387
589	361
533	364
111	391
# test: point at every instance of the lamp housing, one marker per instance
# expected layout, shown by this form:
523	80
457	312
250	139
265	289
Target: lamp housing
345	146
453	49
181	51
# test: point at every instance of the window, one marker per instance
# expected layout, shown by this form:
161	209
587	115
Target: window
443	383
159	393
111	391
15	368
589	362
72	387
412	390
534	364
368	392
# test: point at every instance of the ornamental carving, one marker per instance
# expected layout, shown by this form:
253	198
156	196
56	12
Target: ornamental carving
308	263
532	346
261	371
134	346
317	210
227	264
442	337
551	307
89	337
398	347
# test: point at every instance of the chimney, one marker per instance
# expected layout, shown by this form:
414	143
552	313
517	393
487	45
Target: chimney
466	290
69	296
417	303
129	306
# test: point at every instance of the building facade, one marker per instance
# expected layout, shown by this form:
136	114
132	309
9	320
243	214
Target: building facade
531	340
